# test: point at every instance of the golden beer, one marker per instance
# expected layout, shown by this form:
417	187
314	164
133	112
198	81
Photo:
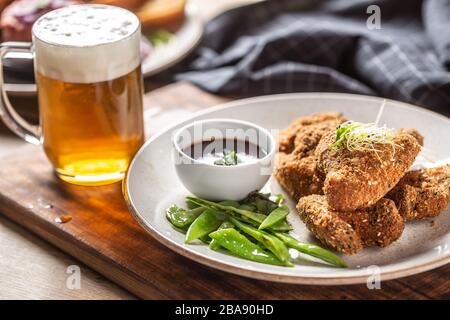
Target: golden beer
91	130
87	65
88	74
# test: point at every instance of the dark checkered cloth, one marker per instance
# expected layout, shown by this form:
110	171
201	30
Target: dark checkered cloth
296	46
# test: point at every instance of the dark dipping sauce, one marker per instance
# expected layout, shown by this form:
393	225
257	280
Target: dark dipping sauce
214	151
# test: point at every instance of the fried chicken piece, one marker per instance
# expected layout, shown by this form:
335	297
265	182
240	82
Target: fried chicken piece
415	133
358	179
308	137
350	232
298	175
300	128
296	165
423	193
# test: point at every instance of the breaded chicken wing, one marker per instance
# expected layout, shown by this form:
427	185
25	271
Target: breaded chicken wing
350	232
422	193
358	179
304	128
415	133
296	166
298	175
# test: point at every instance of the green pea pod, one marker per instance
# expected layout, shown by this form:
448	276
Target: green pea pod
312	250
264	207
247	207
181	218
281	226
207	222
205	239
245	215
279	198
239	245
191	205
229	203
214	245
275	216
258	217
275	245
261	201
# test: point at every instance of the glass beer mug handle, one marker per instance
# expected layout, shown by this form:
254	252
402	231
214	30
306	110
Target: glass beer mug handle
10	117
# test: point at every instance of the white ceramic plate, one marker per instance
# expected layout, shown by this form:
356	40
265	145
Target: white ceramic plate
185	39
151	186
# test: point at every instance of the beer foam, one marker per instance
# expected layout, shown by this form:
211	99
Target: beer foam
87	43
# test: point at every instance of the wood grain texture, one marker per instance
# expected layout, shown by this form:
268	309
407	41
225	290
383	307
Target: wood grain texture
31	268
104	236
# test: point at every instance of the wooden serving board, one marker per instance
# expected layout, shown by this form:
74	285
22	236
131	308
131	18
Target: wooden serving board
103	235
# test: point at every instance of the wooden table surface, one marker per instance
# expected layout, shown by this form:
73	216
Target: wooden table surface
30	268
107	238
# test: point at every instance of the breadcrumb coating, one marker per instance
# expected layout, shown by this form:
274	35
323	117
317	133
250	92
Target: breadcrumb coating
358	179
305	127
298	175
423	193
295	167
350	232
414	132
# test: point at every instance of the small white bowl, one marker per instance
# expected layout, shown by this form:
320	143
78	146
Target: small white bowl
215	182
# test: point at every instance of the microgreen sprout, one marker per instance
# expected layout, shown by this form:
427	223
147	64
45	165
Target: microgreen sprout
356	136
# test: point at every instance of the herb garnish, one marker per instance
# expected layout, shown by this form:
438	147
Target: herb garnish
356	136
229	158
160	38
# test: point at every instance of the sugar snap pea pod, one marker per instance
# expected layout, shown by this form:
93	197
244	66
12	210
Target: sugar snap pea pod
183	231
258	217
214	245
205	239
247	220
275	245
279	198
275	216
252	196
247	207
181	218
240	246
207	222
281	226
229	203
191	205
312	250
261	201
264	206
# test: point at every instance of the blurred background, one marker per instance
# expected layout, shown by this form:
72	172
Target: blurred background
245	47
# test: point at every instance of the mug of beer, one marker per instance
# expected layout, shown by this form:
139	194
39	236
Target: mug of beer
88	75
